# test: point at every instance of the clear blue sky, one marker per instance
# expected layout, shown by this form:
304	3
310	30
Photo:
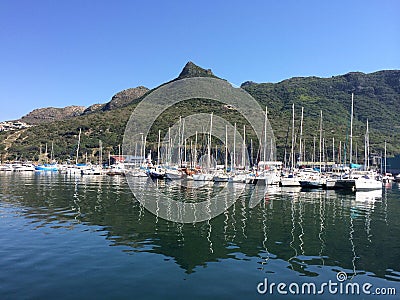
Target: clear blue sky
81	52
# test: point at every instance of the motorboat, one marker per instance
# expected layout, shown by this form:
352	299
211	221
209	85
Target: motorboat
368	182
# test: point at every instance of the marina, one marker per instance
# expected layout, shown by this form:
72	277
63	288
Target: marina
199	150
87	237
193	157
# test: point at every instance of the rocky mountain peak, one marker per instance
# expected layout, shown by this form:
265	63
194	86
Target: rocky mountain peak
193	70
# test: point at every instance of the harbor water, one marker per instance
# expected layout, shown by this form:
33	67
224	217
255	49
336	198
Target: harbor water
87	237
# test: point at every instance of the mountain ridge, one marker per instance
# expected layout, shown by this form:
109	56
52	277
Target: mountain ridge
50	114
377	98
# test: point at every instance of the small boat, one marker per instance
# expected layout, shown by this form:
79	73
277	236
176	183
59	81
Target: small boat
397	178
270	170
24	168
47	167
238	178
6	167
92	170
72	170
312	184
340	183
387	178
255	178
136	172
115	171
173	174
290	180
203	177
272	177
367	182
221	177
157	173
311	179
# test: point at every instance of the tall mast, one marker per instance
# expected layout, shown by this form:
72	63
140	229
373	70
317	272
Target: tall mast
142	154
158	147
179	141
320	144
314	158
101	152
271	154
251	153
52	152
185	152
351	128
209	142
292	150
367	145
144	148
77	149
356	154
191	153
244	147
333	149
169	149
195	150
234	148
385	157
265	134
301	134
366	152
226	148
183	142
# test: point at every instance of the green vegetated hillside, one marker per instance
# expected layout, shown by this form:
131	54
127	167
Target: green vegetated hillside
376	98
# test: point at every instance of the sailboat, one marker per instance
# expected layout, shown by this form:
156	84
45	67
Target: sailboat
344	180
204	174
48	167
291	178
267	171
236	176
223	176
370	179
387	177
313	178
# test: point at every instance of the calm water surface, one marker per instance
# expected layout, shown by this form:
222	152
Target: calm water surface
88	238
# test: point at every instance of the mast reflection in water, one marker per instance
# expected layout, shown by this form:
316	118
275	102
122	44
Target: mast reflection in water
87	237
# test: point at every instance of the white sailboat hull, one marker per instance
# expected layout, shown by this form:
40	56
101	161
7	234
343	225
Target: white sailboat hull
173	175
202	177
365	184
290	181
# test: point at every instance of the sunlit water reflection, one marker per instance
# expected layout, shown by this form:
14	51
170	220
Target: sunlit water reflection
87	237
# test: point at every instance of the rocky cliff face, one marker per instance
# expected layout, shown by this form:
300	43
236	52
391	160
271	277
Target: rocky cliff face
125	97
93	108
49	114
